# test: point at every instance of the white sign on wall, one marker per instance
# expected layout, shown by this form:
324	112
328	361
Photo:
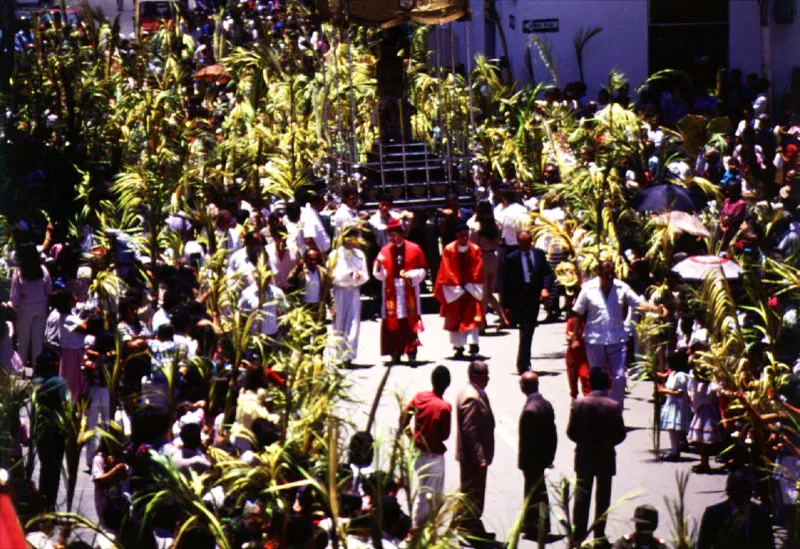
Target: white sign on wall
539	25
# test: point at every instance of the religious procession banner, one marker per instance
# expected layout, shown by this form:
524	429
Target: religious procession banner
387	13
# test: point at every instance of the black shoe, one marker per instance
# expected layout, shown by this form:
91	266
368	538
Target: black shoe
474	350
459	353
412	358
396	359
669	457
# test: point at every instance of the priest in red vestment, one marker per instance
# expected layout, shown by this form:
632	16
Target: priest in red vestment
401	266
459	289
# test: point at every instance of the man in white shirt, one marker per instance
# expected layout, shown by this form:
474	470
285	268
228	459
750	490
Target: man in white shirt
294	227
228	233
600	308
513	217
761	102
379	221
314	232
169	301
748	121
656	134
243	261
348	267
308	280
273	305
347	213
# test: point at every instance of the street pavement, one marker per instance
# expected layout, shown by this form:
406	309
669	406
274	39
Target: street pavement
640	477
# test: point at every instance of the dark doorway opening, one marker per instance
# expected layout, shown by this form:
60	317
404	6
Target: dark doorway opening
689	35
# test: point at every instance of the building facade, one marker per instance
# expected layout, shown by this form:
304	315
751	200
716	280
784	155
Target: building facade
639	37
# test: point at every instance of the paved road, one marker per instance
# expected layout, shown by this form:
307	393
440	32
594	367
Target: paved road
638	473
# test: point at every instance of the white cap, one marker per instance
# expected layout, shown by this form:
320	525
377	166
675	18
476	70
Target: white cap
193	247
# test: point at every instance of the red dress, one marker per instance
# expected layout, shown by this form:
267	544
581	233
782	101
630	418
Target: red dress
577	364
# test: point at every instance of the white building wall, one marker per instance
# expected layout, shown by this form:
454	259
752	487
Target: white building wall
744	39
785	53
623	43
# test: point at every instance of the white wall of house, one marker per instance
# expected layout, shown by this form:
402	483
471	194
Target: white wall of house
624	41
785	52
621	44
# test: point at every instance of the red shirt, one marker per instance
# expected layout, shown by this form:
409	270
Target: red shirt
431	422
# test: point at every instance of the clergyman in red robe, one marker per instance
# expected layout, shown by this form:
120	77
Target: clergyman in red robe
459	289
401	266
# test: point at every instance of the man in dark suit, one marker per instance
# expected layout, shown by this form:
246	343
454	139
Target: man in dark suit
596	427
537	449
737	521
474	445
527	279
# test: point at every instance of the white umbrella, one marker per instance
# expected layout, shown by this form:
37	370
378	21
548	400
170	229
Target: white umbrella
683	222
698	267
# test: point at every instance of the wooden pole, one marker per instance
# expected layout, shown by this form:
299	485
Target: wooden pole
468	60
340	130
354	145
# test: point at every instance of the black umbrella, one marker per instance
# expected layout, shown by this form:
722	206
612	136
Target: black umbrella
668	198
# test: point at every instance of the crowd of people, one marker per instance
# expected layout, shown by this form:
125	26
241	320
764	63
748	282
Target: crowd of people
150	348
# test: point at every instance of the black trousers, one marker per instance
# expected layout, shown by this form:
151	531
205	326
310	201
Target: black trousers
536	489
51	449
527	316
602	500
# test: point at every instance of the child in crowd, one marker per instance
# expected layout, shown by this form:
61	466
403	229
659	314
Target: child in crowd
704	431
732	175
72	339
676	411
97	368
109	477
577	363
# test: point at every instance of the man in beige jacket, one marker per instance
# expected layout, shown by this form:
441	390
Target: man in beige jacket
475	445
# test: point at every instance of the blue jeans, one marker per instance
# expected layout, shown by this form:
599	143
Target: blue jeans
611	358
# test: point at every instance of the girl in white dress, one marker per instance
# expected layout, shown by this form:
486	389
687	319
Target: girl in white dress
676	413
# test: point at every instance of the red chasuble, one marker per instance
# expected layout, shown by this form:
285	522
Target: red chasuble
412	258
459	269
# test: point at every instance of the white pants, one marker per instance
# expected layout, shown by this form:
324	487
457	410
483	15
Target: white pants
347	324
31	320
430	477
459	339
96	414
